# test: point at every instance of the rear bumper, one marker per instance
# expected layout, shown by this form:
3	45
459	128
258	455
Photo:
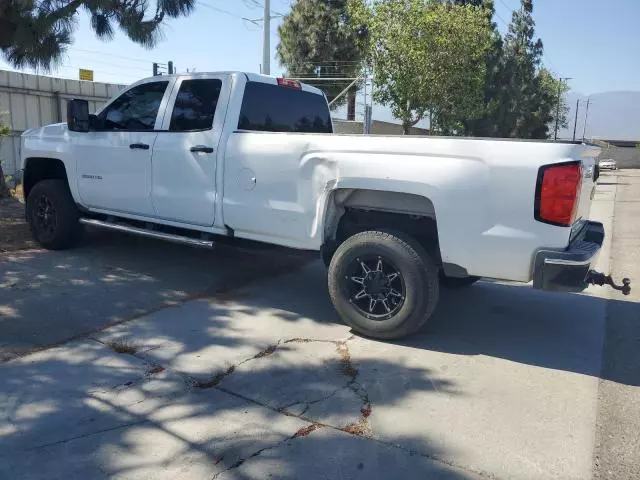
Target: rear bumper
567	270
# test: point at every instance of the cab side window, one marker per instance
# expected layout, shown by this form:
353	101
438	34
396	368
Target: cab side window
134	110
195	105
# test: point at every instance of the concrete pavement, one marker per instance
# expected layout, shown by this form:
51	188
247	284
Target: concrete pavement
617	453
50	297
264	381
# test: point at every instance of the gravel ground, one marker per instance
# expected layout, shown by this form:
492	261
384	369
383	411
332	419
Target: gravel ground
14	233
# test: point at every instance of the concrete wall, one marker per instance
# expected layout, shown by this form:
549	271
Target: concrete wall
29	101
377	128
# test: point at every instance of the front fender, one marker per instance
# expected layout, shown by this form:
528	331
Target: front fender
51	142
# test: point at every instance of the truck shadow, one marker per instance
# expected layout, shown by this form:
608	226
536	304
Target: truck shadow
576	333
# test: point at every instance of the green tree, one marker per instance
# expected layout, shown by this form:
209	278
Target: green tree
553	104
36	33
522	60
520	97
317	39
427	56
487	122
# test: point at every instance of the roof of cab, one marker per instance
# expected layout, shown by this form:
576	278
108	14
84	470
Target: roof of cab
253	77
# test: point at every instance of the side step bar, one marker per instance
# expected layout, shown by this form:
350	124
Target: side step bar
169	237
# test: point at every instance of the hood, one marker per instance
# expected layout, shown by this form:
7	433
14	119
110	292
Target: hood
53	130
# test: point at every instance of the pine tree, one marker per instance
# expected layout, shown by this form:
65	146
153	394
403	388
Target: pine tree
488	124
318	40
522	60
36	33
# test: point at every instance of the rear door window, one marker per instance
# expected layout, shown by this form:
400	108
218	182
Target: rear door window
272	108
195	105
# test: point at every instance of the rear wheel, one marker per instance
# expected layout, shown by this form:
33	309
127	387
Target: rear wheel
383	284
52	215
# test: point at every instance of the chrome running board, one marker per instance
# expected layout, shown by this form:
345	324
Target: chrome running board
169	237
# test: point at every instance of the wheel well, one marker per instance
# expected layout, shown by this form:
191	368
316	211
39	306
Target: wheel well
38	169
355	211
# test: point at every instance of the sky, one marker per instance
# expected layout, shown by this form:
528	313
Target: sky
594	42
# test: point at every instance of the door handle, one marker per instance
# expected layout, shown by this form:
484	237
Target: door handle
141	146
202	148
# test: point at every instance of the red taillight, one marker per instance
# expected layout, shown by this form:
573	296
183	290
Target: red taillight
557	193
285	82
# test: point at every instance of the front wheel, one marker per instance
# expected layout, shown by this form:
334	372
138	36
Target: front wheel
383	284
52	215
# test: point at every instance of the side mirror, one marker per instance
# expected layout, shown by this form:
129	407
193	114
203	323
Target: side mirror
94	122
78	115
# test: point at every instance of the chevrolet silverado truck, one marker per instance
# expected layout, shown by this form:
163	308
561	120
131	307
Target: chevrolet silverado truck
199	158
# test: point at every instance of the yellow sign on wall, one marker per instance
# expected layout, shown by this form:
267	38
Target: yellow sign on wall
86	74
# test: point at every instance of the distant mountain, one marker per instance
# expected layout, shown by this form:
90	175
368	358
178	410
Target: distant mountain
612	116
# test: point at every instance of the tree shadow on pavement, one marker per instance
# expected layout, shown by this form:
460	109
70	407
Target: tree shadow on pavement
514	322
85	411
50	297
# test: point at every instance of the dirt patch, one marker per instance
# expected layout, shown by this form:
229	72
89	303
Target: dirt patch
266	352
304	431
123	347
347	367
215	380
14	232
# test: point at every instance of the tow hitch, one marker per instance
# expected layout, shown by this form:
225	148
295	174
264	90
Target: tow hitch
597	278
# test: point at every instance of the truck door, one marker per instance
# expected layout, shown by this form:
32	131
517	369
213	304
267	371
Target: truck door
269	189
114	159
185	152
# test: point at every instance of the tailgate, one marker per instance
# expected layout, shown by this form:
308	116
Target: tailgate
587	155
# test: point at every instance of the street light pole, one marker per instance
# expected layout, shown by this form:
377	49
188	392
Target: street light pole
586	116
266	39
575	122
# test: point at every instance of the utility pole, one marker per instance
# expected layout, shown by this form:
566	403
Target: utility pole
155	69
586	116
561	79
170	67
266	39
575	122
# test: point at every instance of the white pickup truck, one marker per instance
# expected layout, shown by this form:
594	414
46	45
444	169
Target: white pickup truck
194	158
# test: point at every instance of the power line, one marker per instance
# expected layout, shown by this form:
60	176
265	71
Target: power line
506	6
257	4
501	19
544	54
110	55
119	66
220	10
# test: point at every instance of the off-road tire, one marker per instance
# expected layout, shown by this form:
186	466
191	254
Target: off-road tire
418	272
67	231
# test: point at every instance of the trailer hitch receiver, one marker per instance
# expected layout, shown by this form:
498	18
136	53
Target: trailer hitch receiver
597	278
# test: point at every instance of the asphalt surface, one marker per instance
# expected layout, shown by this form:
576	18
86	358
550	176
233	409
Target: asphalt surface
234	365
